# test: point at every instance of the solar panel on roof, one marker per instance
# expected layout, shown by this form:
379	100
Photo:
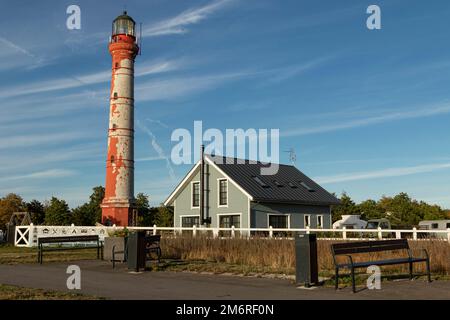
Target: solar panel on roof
260	182
278	184
303	184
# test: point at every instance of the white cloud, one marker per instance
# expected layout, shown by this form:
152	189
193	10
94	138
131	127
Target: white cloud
388	172
170	89
46	158
39	139
159	150
177	24
150	67
45	174
285	73
363	122
16	47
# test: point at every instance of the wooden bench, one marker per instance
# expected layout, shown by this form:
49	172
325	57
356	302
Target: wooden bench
348	248
153	244
68	239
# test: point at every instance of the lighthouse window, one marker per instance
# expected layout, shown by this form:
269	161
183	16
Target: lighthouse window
117	64
114	126
112	158
115	95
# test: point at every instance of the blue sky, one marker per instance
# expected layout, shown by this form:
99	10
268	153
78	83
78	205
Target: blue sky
366	111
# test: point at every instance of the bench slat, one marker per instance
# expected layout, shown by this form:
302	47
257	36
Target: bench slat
369	246
68	239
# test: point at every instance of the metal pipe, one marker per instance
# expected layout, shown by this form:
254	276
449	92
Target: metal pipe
202	184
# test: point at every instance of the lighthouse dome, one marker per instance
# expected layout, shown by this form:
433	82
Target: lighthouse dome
123	24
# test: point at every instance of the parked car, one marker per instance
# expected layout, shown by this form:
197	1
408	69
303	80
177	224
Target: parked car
351	221
382	223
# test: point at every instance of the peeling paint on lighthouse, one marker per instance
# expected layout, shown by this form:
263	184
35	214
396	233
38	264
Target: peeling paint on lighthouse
119	200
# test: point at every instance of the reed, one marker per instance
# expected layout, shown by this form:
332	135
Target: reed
277	255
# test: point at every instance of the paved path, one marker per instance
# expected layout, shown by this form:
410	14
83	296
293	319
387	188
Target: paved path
98	278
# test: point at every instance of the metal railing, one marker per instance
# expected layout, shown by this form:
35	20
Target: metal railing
26	236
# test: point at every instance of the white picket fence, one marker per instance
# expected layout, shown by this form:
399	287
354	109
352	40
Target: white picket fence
26	236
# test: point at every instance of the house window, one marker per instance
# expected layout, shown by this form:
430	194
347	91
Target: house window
319	221
448	225
434	226
189	222
196	194
223	192
278	221
229	221
307	220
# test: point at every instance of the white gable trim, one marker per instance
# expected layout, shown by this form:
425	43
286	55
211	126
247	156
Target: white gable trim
211	162
189	175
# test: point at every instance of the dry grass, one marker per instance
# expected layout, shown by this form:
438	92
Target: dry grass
8	292
277	255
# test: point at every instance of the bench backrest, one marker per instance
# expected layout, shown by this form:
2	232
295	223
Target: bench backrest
68	239
368	246
153	239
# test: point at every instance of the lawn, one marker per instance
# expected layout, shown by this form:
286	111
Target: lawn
8	292
17	255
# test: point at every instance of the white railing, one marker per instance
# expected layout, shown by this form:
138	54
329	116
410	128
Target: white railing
26	236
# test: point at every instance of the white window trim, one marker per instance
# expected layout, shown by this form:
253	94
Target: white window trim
279	214
188	215
317	222
228	214
304	220
192	195
218	193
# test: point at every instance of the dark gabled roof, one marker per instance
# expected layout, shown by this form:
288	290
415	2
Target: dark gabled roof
288	185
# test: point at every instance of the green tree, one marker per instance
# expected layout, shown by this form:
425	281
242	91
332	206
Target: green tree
347	206
370	209
90	212
57	212
8	205
431	212
164	216
145	213
95	200
37	212
401	210
83	215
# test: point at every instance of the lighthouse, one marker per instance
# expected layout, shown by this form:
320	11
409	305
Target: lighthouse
118	204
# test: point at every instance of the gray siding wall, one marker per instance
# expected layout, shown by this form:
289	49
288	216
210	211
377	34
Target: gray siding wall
237	201
260	212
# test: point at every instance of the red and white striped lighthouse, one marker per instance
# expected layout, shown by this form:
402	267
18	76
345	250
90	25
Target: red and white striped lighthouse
119	201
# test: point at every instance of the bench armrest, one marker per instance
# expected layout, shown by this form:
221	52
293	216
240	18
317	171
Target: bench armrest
350	259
